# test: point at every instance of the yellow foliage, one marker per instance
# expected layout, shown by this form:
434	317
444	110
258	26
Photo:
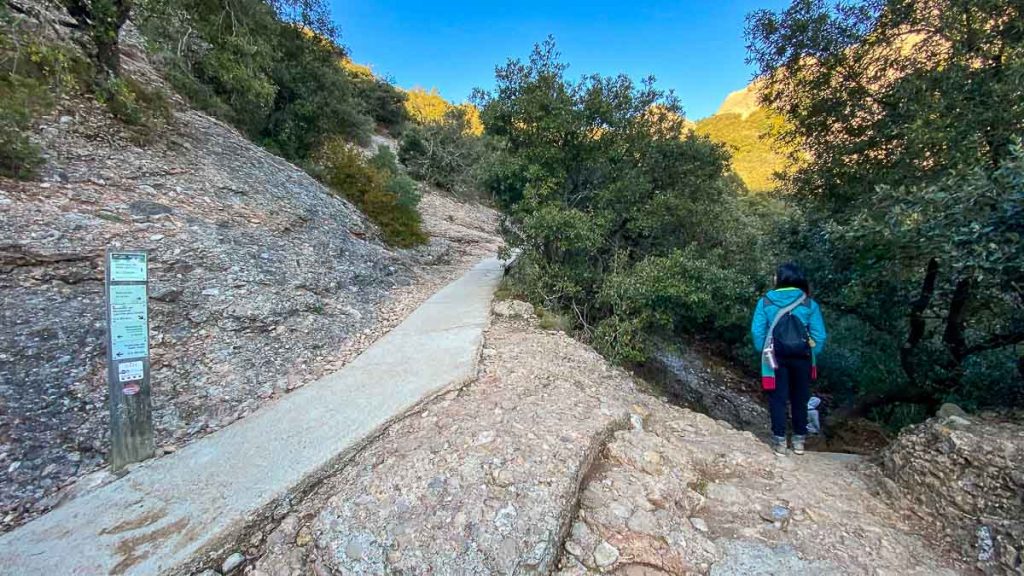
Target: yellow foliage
426	107
356	69
430	108
756	154
474	125
663	119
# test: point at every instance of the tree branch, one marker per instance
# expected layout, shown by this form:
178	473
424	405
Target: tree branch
996	341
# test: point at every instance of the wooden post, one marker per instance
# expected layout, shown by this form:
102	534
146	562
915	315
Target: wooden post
127	312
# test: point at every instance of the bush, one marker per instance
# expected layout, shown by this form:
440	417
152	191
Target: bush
367	185
19	99
33	74
135	104
384	102
399	183
424	107
684	292
445	154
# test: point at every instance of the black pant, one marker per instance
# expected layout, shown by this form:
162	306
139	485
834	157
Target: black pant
792	383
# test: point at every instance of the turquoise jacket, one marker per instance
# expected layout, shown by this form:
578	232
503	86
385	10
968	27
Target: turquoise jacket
809	313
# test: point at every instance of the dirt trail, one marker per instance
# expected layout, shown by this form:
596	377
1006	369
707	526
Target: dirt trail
554	460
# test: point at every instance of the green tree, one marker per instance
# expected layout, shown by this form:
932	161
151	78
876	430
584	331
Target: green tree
272	69
620	221
891	92
907	114
444	153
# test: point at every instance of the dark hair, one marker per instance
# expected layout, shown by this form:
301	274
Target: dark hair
791	275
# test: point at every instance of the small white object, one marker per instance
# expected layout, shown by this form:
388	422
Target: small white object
129	371
813	418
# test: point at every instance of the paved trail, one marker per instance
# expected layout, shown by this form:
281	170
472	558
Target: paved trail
195	502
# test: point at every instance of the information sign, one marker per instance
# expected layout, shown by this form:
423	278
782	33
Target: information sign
128	267
129	371
129	324
127	312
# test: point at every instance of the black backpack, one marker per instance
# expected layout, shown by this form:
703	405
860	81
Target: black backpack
790	337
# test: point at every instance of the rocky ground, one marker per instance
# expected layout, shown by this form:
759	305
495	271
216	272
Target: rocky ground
555	461
682	494
967	474
261	280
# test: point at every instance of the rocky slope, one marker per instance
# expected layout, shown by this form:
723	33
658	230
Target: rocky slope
743	102
967	472
555	461
261	280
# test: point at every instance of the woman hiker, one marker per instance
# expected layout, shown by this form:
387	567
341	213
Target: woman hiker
789	332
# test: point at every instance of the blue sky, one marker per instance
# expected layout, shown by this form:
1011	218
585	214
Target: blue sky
695	48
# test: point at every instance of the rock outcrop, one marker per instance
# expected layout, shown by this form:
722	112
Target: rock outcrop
679	493
483	480
713	390
969	473
743	102
257	272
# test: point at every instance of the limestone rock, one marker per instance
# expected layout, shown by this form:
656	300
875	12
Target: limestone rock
514	309
970	475
605	554
949	409
699	524
720	393
232	563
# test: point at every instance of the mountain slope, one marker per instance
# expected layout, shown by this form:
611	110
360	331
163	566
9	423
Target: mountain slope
261	279
755	154
743	102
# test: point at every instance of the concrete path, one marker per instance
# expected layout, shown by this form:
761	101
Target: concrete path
197	501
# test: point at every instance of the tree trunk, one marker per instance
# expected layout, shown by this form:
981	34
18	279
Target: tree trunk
917	322
953	336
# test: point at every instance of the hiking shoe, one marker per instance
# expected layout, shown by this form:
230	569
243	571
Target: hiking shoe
779	445
798	445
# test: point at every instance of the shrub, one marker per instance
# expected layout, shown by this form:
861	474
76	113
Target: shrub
20	98
444	154
552	320
425	107
384	102
685	292
399	183
34	73
345	171
134	104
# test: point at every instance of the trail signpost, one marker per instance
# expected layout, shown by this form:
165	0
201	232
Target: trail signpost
127	299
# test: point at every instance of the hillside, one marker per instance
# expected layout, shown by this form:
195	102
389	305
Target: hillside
743	102
261	280
744	126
